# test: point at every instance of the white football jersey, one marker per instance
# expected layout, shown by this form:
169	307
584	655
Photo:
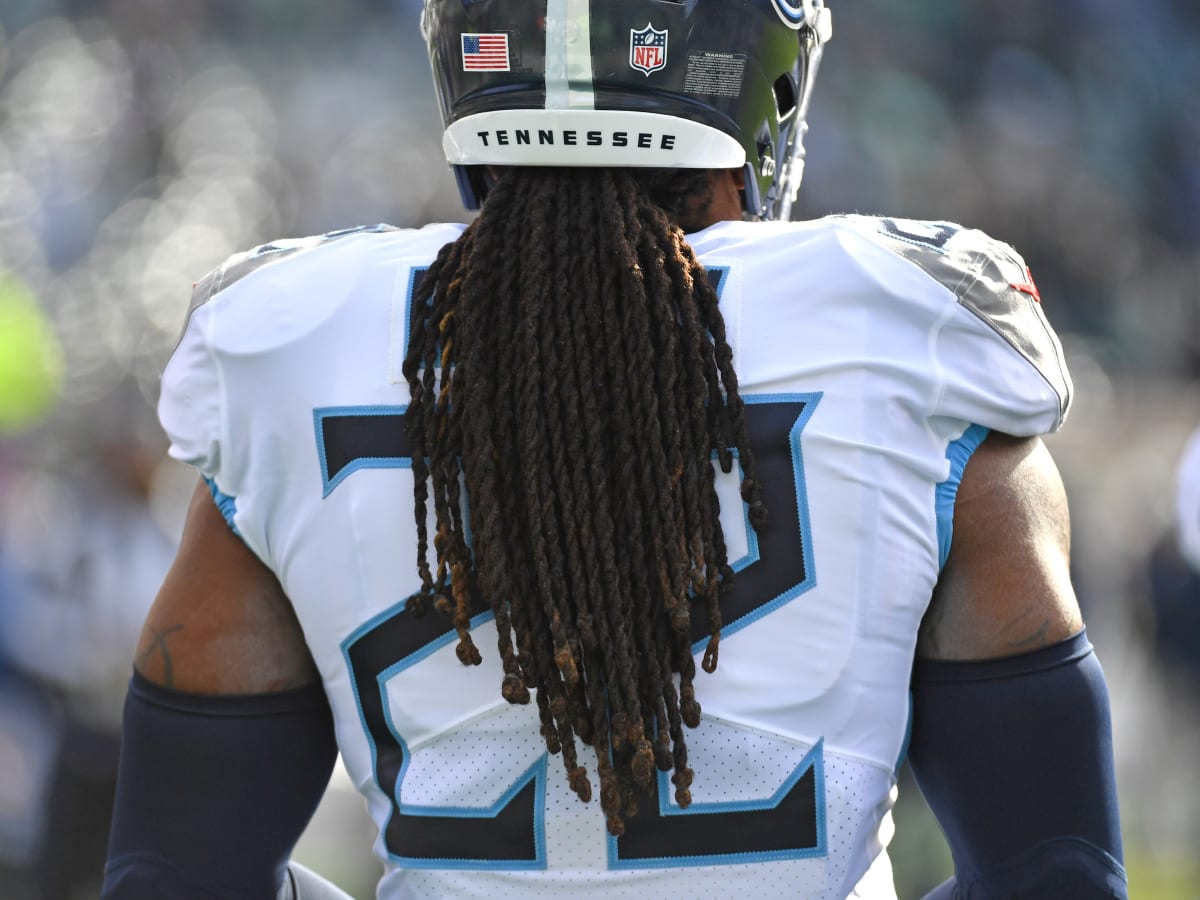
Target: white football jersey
873	354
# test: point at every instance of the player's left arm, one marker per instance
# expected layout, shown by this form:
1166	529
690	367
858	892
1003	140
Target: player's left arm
1012	733
228	740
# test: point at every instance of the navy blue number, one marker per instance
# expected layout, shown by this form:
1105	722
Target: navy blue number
777	568
788	825
508	835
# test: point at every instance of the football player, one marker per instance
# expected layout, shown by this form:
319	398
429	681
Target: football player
626	540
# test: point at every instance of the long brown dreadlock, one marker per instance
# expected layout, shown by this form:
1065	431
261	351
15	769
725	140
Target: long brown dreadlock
568	360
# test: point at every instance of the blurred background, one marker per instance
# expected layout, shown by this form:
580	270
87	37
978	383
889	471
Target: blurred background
143	141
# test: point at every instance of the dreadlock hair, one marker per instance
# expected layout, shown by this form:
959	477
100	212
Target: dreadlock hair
568	360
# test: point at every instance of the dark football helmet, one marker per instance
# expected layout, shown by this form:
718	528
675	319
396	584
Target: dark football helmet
663	83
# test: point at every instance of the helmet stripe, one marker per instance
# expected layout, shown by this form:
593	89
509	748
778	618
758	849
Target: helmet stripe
569	55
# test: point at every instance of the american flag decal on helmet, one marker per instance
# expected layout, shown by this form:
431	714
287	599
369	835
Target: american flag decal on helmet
648	49
485	53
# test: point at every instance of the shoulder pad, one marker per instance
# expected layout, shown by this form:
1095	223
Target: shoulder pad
989	278
240	265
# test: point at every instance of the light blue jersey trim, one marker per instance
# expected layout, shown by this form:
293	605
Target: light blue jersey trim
225	503
375	462
959	453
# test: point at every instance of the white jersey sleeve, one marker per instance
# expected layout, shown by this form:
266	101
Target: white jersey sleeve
1000	363
189	405
193	407
252	332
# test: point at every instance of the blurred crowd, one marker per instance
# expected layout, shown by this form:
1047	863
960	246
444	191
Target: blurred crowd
143	141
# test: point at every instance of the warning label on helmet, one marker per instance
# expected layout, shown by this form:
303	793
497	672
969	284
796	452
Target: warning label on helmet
715	74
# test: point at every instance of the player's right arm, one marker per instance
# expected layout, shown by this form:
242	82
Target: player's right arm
1012	740
228	740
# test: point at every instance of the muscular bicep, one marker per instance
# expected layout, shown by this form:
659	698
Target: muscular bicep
1006	586
221	623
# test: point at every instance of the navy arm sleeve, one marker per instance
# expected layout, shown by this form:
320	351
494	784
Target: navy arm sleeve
1015	758
214	791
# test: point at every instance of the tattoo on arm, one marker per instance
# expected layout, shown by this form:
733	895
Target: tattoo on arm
158	645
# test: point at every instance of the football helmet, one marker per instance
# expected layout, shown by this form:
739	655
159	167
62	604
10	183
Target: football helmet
662	83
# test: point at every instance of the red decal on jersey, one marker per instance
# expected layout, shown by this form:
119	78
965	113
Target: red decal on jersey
1028	287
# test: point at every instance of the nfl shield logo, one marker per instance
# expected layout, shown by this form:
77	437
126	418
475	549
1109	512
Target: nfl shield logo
648	49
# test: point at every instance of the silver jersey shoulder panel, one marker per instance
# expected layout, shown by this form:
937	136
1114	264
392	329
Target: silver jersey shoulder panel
989	278
240	265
